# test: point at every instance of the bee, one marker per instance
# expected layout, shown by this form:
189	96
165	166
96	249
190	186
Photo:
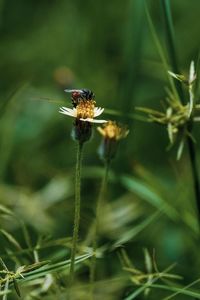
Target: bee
78	95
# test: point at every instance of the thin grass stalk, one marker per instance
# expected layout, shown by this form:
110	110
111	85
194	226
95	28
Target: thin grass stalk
195	174
99	205
77	210
160	51
170	37
131	65
173	57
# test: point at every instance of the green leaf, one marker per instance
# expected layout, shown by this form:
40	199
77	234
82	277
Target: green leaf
161	52
178	76
143	287
11	239
130	234
146	193
5	210
170	39
180	149
51	268
5	290
16	287
181	291
148	261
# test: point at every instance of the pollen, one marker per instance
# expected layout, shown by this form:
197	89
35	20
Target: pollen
85	109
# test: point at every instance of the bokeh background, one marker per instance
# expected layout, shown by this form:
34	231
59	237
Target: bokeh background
106	46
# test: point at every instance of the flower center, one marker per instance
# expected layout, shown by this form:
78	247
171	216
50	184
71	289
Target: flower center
85	109
111	131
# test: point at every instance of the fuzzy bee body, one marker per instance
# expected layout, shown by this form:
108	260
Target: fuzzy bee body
79	95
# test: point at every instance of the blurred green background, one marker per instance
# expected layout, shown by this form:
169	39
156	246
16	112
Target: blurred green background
106	46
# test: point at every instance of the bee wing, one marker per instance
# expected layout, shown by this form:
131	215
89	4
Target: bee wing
73	90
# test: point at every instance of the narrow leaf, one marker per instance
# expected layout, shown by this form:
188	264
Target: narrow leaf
16	287
11	239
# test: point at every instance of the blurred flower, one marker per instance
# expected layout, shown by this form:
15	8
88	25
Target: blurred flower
112	133
64	77
112	130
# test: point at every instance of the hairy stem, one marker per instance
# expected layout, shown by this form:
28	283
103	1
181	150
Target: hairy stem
77	209
99	205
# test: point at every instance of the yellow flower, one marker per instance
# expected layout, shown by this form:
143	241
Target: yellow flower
112	133
112	130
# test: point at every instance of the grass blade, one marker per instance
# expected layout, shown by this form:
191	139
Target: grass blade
161	52
11	239
143	287
136	229
145	192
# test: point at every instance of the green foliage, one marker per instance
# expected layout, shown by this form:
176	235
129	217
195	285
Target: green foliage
131	54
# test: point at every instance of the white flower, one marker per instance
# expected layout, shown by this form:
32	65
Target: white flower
85	111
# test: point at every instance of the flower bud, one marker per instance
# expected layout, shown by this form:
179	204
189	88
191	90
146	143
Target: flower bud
112	133
81	131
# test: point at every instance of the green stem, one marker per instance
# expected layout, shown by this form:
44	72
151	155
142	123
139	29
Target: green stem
99	205
173	58
193	161
77	210
170	37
